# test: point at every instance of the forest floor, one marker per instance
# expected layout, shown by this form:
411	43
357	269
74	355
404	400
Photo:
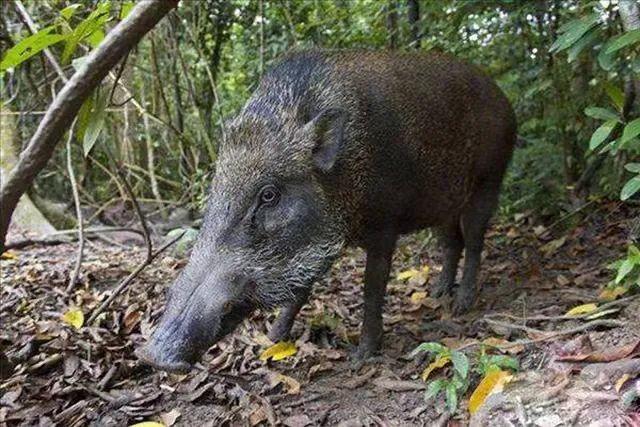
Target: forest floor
530	277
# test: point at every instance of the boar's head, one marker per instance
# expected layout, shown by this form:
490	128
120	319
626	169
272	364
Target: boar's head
272	227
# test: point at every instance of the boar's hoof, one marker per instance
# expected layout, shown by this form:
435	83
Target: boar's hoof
463	301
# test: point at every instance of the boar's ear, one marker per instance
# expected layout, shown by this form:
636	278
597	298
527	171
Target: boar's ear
327	131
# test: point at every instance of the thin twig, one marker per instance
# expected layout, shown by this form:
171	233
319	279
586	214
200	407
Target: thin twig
130	278
600	309
73	278
136	206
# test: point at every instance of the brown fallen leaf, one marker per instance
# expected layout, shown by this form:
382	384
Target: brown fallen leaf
617	353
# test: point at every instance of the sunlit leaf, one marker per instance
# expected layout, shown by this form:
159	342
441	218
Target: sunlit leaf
94	22
573	31
69	11
631	130
74	317
30	46
624	40
125	9
279	351
630	188
582	309
440	362
601	134
621	381
493	382
601	113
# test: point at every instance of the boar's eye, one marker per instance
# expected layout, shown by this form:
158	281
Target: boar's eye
269	195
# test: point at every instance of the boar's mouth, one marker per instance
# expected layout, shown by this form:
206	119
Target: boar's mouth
178	343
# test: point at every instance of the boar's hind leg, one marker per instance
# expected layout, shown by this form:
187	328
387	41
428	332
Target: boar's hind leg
283	323
452	245
376	275
474	224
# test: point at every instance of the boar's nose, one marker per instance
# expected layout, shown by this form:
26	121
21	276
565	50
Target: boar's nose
161	359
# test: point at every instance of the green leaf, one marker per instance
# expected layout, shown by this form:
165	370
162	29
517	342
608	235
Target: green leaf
606	60
429	347
95	121
631	130
615	94
433	389
601	134
94	22
451	398
630	188
601	113
460	363
504	362
69	11
588	40
623	41
30	46
625	268
573	31
125	9
633	167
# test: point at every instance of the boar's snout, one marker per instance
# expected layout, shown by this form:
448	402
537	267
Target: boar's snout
197	315
177	343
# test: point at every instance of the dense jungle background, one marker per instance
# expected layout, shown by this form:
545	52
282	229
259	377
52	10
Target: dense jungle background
108	223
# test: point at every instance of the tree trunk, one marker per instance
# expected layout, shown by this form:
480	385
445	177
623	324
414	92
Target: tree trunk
27	217
391	12
413	15
61	113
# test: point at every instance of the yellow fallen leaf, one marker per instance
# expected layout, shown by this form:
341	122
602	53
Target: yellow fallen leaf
623	379
9	255
609	294
147	424
440	362
74	317
582	309
293	386
417	297
279	351
492	382
414	273
407	274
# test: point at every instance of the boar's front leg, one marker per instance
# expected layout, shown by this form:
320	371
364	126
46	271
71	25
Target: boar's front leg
376	275
282	325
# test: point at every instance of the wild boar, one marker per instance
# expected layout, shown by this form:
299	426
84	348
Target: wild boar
339	148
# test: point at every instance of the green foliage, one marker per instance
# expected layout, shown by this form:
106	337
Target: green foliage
31	46
628	269
456	384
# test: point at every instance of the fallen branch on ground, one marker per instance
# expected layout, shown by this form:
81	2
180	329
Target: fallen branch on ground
130	278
